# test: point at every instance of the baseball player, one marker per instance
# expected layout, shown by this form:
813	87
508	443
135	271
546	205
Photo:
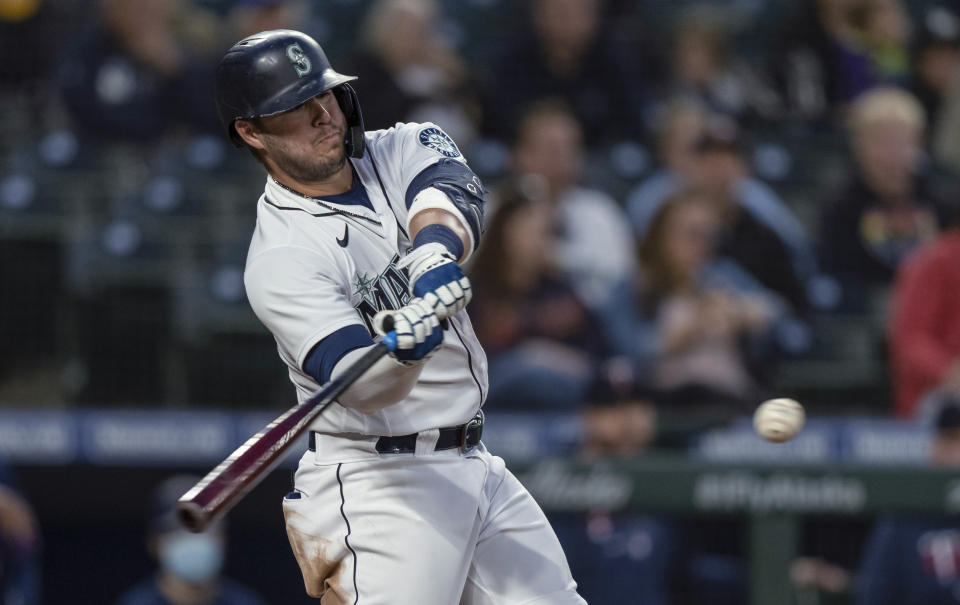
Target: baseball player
397	501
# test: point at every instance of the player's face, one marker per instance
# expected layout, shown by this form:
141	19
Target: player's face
306	142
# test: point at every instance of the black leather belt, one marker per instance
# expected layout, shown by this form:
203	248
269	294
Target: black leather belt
464	437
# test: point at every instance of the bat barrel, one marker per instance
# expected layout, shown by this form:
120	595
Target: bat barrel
193	516
225	485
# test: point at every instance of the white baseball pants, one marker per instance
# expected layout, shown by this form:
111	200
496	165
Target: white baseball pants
431	528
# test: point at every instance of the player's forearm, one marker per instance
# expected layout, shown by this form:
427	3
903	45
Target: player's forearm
442	239
387	382
444	218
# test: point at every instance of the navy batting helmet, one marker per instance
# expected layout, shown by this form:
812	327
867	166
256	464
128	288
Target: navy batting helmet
274	71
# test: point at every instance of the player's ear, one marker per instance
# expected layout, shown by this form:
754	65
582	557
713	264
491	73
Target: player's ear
249	133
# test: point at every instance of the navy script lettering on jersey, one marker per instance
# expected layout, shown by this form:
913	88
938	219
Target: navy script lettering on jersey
388	290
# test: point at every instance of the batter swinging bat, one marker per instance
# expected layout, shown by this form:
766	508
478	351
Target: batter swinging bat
242	470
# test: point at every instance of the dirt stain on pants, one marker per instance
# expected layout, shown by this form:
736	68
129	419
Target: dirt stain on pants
323	570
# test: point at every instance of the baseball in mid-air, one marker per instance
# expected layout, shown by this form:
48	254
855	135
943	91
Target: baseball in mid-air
778	420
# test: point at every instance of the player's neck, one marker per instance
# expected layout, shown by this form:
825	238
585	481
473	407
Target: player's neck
341	182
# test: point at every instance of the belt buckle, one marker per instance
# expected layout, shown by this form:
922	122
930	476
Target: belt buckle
475	423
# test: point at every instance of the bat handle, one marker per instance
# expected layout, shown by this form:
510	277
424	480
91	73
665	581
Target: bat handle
386	323
390	339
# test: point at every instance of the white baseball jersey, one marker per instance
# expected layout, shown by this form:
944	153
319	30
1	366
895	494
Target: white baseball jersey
426	528
316	266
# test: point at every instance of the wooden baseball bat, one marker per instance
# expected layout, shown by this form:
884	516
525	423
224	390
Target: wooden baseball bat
242	470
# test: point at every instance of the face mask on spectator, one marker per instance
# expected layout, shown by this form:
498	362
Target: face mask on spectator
194	558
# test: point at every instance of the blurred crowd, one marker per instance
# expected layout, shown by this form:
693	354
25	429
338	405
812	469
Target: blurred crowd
709	201
691	205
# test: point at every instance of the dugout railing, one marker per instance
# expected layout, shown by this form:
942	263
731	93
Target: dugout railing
774	499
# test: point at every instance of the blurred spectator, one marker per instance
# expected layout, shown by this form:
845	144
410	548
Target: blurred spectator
248	17
760	233
24	62
705	69
890	205
695	312
410	73
19	546
619	558
595	245
834	50
626	424
913	560
568	56
189	564
802	65
542	343
870	46
32	36
883	31
925	323
936	59
681	125
944	36
133	76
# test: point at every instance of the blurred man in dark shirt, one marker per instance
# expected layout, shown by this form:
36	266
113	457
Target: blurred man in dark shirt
411	71
621	557
698	150
566	56
935	58
133	77
758	233
916	560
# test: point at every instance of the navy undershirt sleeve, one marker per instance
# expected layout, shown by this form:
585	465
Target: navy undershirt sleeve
324	355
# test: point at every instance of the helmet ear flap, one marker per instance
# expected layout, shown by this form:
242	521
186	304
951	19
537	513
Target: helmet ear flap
350	106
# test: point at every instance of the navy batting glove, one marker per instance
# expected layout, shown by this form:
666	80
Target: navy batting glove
417	327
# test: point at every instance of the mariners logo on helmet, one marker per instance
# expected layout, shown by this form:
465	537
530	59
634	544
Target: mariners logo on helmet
300	61
436	139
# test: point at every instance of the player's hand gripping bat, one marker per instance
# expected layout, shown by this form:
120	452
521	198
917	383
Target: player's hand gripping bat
242	470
